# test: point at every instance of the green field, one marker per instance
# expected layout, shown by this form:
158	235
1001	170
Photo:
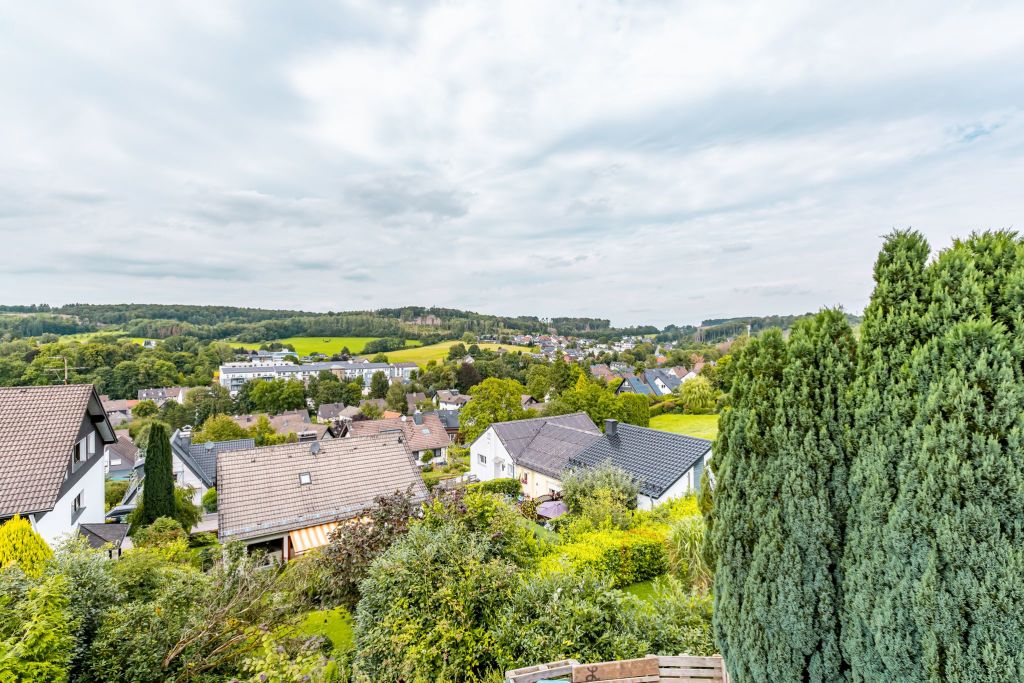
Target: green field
701	426
86	336
325	345
438	352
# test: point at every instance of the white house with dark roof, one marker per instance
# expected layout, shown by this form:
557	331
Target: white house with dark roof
534	451
665	465
52	441
539	452
451	399
195	464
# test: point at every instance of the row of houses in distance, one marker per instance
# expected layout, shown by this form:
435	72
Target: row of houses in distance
234	375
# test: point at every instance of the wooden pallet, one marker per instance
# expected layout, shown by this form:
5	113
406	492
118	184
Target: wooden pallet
650	669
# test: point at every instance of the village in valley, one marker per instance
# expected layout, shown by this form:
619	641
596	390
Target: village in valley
511	342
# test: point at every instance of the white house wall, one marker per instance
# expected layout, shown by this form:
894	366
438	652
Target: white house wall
57	523
498	461
183	476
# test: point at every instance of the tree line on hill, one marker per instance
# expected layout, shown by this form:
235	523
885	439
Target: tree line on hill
868	504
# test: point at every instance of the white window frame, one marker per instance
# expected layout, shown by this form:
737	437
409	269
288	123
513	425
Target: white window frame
91	441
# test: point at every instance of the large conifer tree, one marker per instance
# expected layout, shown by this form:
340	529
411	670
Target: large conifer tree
947	573
742	512
781	504
158	489
882	395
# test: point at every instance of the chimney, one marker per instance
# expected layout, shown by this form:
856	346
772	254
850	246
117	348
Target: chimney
417	417
611	427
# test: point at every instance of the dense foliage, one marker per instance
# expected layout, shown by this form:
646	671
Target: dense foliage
20	545
867	510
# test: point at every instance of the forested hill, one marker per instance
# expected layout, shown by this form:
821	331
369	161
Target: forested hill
413	322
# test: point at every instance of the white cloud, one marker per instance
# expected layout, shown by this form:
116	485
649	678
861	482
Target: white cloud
649	162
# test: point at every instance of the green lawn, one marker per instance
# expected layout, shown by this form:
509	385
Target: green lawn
701	426
438	352
643	590
325	345
334	624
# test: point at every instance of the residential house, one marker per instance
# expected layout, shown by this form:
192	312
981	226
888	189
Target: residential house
513	449
290	422
634	385
528	401
665	465
540	451
425	434
328	412
451	399
163	395
661	382
52	440
195	464
119	458
413	400
118	410
450	420
602	371
287	499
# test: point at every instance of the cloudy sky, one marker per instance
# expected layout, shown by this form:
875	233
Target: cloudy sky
644	161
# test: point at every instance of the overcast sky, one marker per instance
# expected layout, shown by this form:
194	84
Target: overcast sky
646	162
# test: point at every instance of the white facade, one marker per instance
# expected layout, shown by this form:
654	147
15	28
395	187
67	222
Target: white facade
183	476
234	375
82	502
488	458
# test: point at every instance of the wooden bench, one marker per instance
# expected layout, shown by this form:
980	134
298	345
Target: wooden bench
650	669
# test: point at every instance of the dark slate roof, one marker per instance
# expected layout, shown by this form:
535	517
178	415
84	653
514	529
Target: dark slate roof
551	448
100	535
517	434
329	411
635	385
201	458
449	418
656	459
38	429
670	380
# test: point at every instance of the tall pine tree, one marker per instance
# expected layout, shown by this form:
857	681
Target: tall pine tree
743	513
158	490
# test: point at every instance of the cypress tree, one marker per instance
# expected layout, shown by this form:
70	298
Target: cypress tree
781	503
158	491
881	396
742	512
935	544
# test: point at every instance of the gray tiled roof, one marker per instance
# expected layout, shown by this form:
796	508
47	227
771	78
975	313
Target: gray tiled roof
656	459
259	493
551	448
100	535
38	429
329	411
449	418
201	458
517	434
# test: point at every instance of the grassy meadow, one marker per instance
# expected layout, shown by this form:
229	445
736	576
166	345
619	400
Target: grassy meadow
438	352
700	426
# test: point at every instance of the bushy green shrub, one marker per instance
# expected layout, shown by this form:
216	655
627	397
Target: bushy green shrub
679	622
429	605
578	486
210	500
505	486
21	545
558	616
487	514
37	640
625	557
164	531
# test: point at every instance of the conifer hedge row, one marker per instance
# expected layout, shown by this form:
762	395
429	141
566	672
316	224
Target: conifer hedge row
869	508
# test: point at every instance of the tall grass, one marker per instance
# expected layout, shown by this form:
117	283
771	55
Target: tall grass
686	555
